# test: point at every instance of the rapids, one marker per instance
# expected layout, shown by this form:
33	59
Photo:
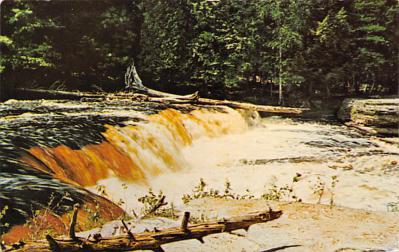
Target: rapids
64	151
51	151
272	153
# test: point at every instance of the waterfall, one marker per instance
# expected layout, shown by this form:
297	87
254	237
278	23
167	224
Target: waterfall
135	152
50	149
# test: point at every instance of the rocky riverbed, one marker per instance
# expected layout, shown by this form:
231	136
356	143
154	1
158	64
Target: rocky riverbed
338	188
347	181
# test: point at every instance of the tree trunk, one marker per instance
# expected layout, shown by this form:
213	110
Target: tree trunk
132	78
280	83
328	91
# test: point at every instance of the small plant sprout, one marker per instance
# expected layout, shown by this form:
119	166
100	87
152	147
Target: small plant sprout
39	222
227	189
319	189
102	190
200	191
94	216
393	206
295	179
283	192
334	181
273	193
150	208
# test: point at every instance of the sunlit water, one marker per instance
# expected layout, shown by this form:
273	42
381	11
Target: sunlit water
274	152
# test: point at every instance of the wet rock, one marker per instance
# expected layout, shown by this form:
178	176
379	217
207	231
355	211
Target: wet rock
380	115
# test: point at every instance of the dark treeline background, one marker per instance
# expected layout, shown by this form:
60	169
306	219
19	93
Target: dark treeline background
220	47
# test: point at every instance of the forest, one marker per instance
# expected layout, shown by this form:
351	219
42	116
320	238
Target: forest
222	48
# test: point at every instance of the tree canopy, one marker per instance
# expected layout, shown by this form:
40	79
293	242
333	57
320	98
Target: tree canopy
215	46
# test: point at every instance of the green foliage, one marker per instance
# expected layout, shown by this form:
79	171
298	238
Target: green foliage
200	191
44	42
321	47
40	223
224	44
285	192
150	201
25	53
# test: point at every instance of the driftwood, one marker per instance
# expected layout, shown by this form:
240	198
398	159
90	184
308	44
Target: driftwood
149	240
162	97
151	95
249	106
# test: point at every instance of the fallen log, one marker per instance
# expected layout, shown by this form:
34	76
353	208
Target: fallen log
194	99
149	240
155	93
151	95
27	93
250	106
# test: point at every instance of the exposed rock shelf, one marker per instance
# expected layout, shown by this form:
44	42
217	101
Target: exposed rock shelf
374	116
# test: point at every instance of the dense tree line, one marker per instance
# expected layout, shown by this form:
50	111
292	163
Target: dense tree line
313	47
62	44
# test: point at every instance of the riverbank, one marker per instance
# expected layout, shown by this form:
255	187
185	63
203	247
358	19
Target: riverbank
371	116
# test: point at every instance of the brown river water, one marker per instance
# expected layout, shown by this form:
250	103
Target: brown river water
64	151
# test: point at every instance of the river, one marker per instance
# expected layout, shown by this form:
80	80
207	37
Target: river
273	152
58	153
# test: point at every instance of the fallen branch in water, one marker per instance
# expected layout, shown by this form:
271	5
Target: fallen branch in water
150	240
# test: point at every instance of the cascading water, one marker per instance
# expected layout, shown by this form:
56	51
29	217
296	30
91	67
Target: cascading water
64	152
51	151
272	154
134	151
